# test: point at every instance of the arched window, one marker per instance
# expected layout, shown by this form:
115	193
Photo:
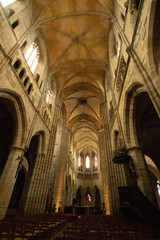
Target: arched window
79	161
6	2
87	162
95	161
32	56
48	96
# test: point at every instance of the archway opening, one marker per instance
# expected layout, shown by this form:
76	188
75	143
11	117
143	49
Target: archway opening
31	156
79	198
18	189
7	129
97	200
88	198
148	127
31	153
148	132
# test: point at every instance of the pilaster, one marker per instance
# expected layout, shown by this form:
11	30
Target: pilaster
32	201
113	175
59	189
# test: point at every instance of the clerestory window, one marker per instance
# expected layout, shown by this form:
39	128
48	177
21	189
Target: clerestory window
6	2
79	161
87	162
95	161
32	56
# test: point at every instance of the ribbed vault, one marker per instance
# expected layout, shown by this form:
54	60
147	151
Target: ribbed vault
76	33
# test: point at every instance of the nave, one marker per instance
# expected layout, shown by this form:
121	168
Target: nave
79	118
53	226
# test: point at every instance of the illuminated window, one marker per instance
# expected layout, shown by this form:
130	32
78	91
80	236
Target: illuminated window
158	187
32	56
95	161
87	162
49	95
6	2
79	161
118	51
89	197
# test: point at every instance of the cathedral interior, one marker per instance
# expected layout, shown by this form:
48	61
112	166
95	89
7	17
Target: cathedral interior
80	107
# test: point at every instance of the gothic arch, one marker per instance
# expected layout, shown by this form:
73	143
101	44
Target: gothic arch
42	140
20	116
32	156
154	37
142	129
152	167
128	122
97	197
88	190
79	195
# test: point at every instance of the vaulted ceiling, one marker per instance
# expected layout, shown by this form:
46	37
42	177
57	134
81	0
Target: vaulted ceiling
76	33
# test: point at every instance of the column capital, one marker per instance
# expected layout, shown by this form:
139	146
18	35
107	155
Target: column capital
41	155
18	148
100	130
134	148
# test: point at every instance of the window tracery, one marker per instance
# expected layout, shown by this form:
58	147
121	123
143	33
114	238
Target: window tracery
32	56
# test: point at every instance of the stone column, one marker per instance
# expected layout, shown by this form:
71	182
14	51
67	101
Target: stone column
8	178
59	189
113	175
69	198
38	190
143	180
104	171
31	200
